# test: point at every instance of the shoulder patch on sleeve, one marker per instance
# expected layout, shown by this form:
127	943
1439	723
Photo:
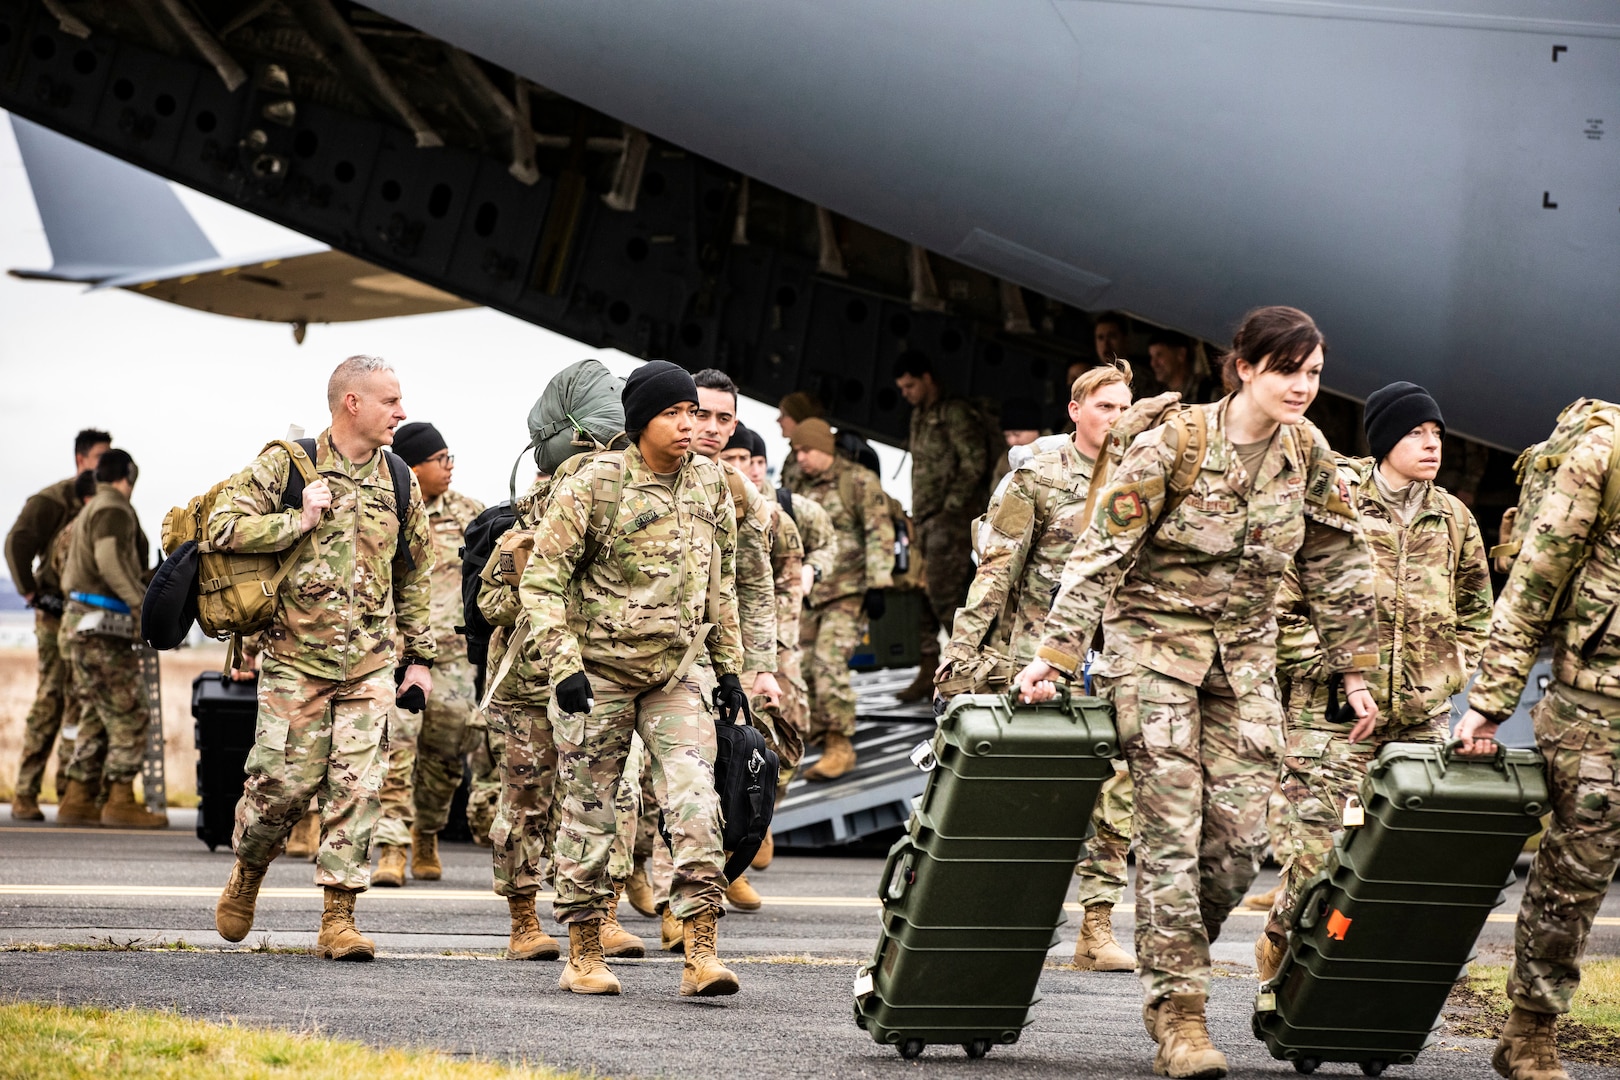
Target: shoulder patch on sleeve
1327	490
1124	507
1013	515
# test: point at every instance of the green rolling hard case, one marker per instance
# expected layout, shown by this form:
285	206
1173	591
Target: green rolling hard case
1379	937
973	893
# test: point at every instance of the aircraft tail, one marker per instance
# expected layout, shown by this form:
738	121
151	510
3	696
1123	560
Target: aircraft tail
103	218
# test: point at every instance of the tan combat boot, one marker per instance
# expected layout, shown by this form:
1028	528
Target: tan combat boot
1097	950
616	940
922	687
339	939
671	932
390	872
1528	1049
529	942
1263	901
425	865
1268	956
1177	1024
837	758
586	972
639	891
26	808
77	806
123	812
766	852
233	915
305	839
703	975
742	896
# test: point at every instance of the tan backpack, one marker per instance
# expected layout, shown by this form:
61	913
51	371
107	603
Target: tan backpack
1188	434
236	591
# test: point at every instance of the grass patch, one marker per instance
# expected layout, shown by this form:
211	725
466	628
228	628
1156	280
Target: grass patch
45	1042
1590	1033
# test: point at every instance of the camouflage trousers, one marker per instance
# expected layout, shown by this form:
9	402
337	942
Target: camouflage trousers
54	708
484	785
1103	870
1203	762
795	694
1321	769
113	718
526	770
677	730
425	755
1579	734
316	737
829	635
946	541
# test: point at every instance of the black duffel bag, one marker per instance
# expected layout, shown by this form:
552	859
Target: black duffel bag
170	607
745	775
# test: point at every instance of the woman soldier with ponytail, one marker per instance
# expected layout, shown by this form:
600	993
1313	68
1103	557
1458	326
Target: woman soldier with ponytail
1184	584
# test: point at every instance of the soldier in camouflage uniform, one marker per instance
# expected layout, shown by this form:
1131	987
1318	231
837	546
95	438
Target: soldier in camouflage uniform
631	580
1033	524
46	513
327	675
794	409
104	578
950	481
1434	607
1189	589
426	749
1563	587
831	626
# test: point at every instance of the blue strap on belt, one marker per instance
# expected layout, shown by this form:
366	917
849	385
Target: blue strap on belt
105	603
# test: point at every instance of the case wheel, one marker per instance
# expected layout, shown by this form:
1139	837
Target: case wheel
912	1048
1374	1067
1306	1065
977	1048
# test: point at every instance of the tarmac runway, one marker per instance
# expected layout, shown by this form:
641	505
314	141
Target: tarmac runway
438	981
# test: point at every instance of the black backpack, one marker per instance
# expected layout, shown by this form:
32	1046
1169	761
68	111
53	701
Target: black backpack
745	775
858	450
483	534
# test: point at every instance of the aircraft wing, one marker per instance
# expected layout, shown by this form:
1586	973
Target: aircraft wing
111	225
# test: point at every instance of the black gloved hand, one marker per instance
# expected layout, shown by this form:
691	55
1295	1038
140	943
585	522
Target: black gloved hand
574	694
731	699
874	605
412	700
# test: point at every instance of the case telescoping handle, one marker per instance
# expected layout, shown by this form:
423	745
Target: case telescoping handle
1448	754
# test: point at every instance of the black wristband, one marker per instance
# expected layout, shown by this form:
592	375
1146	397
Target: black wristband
412	660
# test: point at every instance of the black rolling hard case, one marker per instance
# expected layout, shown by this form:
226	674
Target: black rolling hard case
973	893
226	714
1379	937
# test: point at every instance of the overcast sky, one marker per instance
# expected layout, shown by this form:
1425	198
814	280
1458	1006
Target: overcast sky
194	396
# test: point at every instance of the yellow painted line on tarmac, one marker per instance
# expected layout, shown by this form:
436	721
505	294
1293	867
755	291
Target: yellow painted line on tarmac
312	893
62	830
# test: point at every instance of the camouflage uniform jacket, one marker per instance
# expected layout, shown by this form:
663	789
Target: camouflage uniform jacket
526	683
949	465
1434	604
337	611
634	610
448	516
787	564
756	596
107	555
860	516
1585	633
1032	528
42	517
1200	586
819	537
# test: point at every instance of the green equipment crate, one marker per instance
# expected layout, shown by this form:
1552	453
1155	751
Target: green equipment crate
973	893
1380	936
894	641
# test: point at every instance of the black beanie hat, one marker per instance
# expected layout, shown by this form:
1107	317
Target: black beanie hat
1393	411
741	439
415	443
757	446
652	388
1020	414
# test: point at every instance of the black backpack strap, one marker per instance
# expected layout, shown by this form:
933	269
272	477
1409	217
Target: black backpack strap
401	473
293	497
784	499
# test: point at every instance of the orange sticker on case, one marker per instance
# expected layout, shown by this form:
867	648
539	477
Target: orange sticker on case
1338	925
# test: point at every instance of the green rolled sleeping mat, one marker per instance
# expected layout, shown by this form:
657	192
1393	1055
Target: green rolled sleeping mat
973	893
1380	936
